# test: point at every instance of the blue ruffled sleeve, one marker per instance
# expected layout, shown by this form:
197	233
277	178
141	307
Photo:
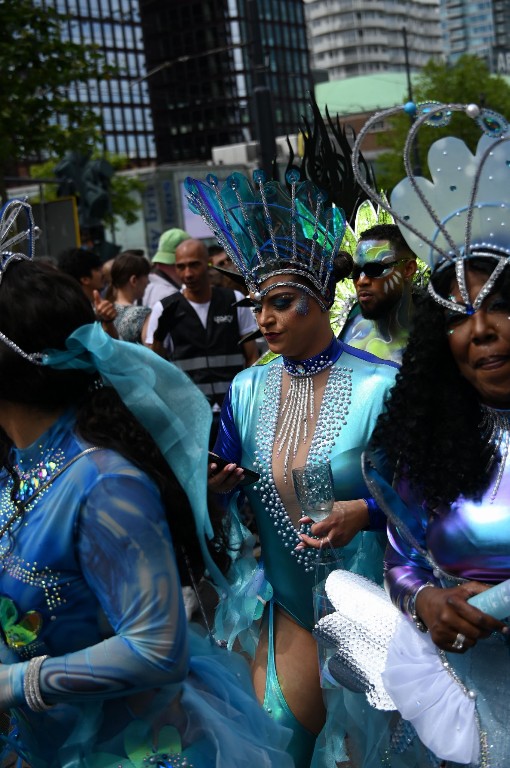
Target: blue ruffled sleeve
127	560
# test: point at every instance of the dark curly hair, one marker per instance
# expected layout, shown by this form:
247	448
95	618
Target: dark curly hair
430	426
39	308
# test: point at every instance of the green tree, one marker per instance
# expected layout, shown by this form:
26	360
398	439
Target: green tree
465	82
123	189
38	66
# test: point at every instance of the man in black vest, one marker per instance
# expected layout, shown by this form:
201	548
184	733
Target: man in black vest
200	329
163	279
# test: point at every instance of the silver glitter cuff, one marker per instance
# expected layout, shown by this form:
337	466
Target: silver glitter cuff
411	607
31	687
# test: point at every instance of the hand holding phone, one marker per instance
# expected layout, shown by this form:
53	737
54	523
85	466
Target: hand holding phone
249	477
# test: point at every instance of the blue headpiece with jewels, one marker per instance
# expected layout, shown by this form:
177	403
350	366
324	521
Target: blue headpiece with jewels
464	212
268	230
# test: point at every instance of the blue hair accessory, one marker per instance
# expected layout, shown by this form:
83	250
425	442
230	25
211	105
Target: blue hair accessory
163	399
267	230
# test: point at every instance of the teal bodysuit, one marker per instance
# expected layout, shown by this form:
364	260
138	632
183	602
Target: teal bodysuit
352	400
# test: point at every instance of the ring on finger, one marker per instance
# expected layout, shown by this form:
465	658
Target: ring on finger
458	643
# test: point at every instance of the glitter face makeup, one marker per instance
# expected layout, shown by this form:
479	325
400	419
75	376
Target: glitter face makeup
302	305
292	323
378	278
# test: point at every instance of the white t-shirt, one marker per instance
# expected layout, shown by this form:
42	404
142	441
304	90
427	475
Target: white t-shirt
245	318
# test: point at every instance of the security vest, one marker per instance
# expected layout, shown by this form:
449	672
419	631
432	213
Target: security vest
211	356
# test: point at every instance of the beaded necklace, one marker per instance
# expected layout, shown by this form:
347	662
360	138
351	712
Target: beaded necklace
32	483
299	405
333	415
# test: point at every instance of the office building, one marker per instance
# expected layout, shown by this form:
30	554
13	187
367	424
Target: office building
122	100
219	73
481	27
349	38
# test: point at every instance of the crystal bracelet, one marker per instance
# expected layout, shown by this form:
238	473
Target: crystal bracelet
31	687
411	607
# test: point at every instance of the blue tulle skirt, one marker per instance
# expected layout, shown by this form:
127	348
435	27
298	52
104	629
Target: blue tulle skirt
211	720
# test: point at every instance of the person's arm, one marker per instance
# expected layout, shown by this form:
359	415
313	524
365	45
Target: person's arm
228	446
145	327
127	559
152	325
106	314
414	588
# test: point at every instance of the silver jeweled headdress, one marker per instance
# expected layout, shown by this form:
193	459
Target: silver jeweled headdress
464	212
11	236
267	230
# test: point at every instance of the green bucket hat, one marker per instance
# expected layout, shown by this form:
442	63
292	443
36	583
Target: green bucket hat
168	242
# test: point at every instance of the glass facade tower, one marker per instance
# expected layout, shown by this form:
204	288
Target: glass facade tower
123	100
204	62
477	26
349	38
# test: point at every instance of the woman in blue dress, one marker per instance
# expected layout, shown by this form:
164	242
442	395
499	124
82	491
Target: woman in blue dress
99	668
317	401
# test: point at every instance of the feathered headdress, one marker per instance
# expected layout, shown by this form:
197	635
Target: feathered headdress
268	230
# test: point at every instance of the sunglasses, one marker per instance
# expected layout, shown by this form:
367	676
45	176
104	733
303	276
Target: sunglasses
372	269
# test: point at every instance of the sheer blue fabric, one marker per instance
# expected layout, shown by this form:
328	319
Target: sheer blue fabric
164	401
90	579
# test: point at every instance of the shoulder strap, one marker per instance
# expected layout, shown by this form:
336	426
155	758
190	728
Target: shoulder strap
160	273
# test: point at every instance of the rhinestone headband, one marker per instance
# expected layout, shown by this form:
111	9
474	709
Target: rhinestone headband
11	236
464	212
267	230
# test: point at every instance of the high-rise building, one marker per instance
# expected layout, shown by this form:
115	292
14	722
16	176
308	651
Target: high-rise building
223	72
193	74
121	100
358	37
481	27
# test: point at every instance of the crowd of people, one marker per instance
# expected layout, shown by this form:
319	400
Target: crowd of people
116	386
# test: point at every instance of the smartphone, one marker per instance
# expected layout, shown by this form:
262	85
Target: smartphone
250	476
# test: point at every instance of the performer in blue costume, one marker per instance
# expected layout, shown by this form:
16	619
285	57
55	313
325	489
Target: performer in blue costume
318	401
98	667
447	430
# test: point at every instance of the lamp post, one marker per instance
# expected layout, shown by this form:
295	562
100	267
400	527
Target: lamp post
416	151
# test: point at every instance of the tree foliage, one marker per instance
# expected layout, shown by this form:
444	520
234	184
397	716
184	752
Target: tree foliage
124	190
39	113
467	81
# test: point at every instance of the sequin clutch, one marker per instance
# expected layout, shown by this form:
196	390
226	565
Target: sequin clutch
359	627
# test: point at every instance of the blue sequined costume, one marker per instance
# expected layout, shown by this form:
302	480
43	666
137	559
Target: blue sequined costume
247	436
89	578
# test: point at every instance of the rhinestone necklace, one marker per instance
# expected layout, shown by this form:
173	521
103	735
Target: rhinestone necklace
495	429
299	405
333	415
33	483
